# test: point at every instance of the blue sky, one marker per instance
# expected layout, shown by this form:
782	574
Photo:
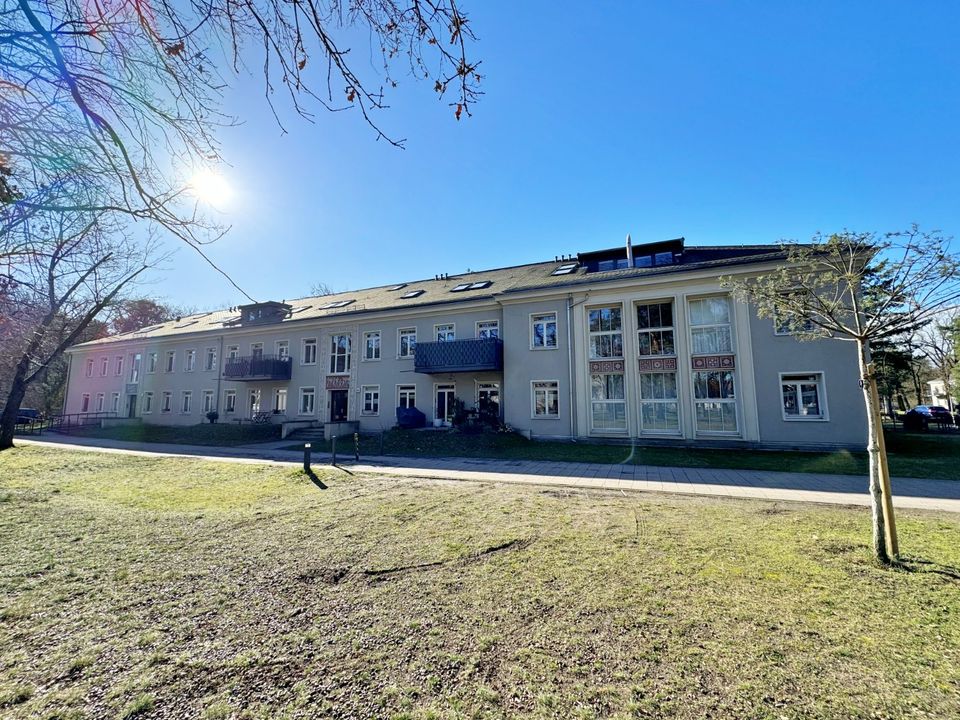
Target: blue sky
739	122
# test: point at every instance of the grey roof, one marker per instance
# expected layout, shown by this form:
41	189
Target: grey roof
437	291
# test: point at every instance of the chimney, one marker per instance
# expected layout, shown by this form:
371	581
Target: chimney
629	251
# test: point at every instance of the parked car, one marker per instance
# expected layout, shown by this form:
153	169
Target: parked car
934	413
29	415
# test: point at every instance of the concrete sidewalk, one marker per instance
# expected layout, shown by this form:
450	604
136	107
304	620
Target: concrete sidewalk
797	487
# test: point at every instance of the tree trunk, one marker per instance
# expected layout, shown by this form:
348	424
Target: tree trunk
873	451
18	388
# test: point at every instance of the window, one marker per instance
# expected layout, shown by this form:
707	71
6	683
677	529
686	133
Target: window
119	365
488	329
85	402
412	294
104	364
190	360
606	332
406	342
655	329
186	402
714	400
280	400
371	399
166	402
488	398
283	349
546	399
233	351
254	402
803	396
543	334
406	396
115	402
371	345
659	411
230	401
335	304
785	325
308	351
90	367
101	401
460	288
135	368
608	402
565	269
399	286
446	332
481	285
710	325
147	403
210	359
207	401
256	350
151	362
171	361
339	353
307	401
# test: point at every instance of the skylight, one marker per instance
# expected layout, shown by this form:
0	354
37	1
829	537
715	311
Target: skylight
460	288
401	286
565	269
300	309
188	323
411	294
481	285
335	304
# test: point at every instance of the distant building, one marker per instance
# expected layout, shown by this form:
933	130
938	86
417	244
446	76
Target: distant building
632	342
938	395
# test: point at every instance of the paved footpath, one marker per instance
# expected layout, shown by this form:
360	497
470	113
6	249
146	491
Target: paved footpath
798	487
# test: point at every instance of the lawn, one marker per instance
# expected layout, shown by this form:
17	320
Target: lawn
222	434
170	588
922	455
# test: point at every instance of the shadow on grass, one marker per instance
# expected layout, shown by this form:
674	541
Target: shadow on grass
922	565
315	479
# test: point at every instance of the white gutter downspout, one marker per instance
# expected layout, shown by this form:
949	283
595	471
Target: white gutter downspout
573	414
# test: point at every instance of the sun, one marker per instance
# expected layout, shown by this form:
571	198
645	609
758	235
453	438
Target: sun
210	187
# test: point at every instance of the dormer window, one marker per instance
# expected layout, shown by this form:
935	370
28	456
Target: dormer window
257	313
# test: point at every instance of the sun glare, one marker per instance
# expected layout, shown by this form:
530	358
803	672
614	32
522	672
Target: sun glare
211	187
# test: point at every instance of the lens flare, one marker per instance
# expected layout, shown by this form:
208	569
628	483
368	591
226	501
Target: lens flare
211	187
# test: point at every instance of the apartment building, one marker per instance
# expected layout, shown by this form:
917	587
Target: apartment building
631	342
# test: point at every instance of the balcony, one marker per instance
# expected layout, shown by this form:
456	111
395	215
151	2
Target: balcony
472	355
257	367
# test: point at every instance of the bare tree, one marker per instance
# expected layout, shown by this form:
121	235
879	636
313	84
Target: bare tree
861	288
79	264
111	106
320	289
936	343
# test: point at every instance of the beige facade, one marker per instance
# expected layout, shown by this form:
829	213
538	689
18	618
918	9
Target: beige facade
651	353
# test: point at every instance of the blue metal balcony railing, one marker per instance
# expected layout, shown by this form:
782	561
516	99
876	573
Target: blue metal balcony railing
459	356
257	367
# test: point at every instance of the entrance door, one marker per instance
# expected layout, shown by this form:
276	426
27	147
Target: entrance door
338	406
444	404
132	406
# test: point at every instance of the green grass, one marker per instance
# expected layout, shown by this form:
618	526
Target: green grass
160	587
203	434
910	454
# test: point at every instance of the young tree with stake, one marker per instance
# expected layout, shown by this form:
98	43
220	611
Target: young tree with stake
861	288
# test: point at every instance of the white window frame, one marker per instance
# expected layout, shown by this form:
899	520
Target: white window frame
207	403
119	372
533	399
821	384
233	352
451	331
104	366
544	318
373	391
494	323
186	402
89	369
604	333
210	359
189	360
308	390
285	345
136	361
735	401
152	361
229	407
115	402
279	393
408	332
610	402
170	364
407	390
729	325
101	402
166	402
367	336
254	346
85	403
146	405
335	353
304	344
